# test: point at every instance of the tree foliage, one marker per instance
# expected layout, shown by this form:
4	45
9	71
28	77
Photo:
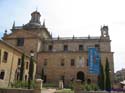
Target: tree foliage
107	78
42	74
101	80
22	67
31	68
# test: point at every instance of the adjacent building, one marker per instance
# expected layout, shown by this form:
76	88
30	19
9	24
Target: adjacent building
10	63
120	76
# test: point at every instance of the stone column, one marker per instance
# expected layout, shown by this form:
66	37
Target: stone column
38	85
60	84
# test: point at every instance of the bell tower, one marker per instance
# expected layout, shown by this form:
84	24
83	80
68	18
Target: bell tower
35	17
104	32
34	21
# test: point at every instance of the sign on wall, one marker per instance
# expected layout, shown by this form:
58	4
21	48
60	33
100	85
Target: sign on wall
93	61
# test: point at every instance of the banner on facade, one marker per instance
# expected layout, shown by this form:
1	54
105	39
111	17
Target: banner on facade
93	61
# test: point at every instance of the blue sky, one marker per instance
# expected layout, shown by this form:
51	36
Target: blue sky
71	17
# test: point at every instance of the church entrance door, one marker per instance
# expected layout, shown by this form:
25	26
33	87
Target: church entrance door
80	76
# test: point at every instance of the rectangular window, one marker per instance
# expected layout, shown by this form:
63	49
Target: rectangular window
65	47
19	62
72	62
45	62
2	73
5	56
20	41
80	47
50	47
97	46
62	62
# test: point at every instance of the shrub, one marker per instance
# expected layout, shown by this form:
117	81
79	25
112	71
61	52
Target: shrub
22	84
90	87
49	85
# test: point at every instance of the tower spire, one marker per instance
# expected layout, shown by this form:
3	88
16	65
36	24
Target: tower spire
13	25
36	8
5	33
104	32
44	23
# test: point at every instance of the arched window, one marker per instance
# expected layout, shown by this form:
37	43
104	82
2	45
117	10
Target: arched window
81	76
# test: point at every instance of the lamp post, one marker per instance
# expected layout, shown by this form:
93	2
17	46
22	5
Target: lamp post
31	69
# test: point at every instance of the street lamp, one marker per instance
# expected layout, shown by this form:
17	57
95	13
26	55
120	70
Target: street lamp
31	69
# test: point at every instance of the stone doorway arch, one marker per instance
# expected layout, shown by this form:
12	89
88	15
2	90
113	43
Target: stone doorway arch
81	76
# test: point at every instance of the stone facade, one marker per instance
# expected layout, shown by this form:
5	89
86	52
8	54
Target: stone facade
67	71
32	40
60	58
10	62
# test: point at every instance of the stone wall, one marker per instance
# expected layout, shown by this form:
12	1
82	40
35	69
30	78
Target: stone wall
37	89
54	59
16	91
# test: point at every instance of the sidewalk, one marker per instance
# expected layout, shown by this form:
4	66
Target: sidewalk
48	90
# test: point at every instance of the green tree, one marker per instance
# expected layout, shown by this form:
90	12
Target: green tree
101	78
22	67
42	74
107	77
31	70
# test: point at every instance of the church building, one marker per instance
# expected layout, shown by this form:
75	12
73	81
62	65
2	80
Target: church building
61	58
